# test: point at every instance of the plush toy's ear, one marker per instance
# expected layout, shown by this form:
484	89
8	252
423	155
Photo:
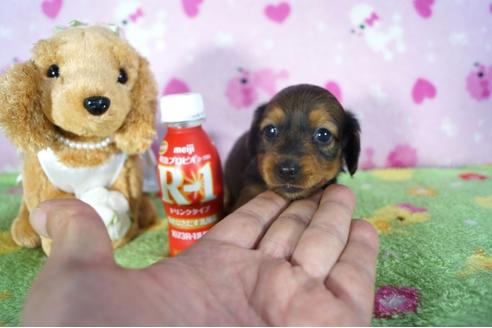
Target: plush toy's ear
21	114
138	131
351	142
254	131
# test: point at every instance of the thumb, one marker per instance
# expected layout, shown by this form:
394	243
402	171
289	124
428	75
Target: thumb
76	230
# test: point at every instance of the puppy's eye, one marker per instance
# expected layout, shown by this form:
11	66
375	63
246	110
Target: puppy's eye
122	77
53	71
270	131
362	26
322	135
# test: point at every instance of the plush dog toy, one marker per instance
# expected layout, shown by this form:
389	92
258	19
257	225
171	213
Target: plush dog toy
297	144
82	111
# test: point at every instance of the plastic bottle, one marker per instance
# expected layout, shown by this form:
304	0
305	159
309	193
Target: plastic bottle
189	171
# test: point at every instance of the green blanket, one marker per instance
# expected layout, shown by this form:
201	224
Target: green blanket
435	264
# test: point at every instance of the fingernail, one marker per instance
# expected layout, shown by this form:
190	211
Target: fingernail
38	219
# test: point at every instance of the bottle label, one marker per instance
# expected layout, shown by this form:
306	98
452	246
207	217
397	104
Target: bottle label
191	186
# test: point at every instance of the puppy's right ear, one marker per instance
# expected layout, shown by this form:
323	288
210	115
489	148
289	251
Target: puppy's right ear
254	131
21	115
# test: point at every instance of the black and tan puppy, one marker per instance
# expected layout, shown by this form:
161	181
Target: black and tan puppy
297	144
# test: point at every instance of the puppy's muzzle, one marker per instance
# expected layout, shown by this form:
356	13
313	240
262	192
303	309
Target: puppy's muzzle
288	170
97	105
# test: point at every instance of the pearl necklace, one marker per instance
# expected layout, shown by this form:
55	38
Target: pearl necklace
84	145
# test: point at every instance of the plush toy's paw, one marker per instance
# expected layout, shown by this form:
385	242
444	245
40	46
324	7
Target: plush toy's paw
147	215
46	244
130	234
23	233
112	207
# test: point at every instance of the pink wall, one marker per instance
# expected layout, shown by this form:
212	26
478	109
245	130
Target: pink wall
419	75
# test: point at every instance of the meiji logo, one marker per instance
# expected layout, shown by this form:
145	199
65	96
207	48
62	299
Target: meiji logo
188	149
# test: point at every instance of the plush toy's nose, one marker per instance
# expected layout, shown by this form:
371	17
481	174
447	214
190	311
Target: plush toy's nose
97	105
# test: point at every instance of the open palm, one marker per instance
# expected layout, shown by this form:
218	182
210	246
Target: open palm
268	263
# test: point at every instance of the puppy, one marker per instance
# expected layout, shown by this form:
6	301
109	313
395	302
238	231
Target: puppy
297	144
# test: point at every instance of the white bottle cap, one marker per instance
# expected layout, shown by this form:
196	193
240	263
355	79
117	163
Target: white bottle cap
182	107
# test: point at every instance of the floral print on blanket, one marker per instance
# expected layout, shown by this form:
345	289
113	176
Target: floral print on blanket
391	217
391	300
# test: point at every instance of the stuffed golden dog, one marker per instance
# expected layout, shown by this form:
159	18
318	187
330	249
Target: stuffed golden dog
82	111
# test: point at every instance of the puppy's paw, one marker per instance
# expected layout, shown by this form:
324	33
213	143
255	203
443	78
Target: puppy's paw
23	233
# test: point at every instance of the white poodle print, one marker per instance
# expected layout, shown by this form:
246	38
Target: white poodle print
145	33
382	39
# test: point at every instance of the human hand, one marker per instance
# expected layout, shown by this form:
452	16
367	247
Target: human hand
268	263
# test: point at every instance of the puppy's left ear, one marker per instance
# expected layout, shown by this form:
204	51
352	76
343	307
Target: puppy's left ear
351	142
254	131
138	131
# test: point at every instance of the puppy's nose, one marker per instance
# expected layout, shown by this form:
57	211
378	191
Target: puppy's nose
288	170
97	105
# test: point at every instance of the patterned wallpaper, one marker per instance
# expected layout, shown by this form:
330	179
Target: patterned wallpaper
417	73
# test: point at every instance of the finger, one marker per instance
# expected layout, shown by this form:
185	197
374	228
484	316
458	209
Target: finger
353	276
324	239
248	223
281	238
76	230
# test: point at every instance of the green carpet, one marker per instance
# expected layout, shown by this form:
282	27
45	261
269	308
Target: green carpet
435	264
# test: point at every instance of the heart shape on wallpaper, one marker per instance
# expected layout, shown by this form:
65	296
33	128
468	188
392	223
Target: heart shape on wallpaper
278	13
51	8
334	88
175	86
423	7
423	89
191	7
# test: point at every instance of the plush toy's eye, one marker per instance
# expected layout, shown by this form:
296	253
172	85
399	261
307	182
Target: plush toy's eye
122	77
53	71
322	135
362	26
480	74
270	131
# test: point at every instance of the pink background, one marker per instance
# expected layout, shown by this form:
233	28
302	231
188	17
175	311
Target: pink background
418	76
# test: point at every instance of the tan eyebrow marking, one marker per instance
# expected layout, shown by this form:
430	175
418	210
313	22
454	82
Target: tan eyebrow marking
320	118
275	116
